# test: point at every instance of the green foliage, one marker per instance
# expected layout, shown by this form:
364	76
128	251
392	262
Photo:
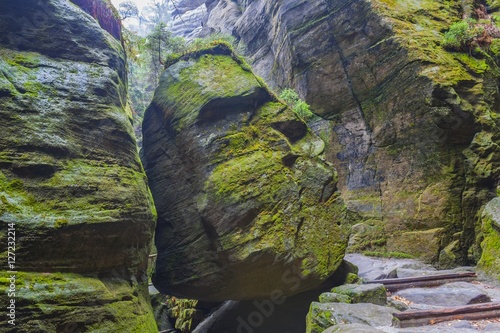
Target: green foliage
128	9
398	255
159	43
292	99
459	36
217	38
146	57
468	34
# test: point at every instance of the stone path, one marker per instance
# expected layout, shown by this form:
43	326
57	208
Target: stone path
451	294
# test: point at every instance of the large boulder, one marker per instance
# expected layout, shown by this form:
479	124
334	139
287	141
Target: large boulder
246	205
374	293
411	127
324	315
75	209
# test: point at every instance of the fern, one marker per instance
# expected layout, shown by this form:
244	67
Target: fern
292	99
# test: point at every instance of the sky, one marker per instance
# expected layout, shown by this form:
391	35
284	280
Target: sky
132	23
140	3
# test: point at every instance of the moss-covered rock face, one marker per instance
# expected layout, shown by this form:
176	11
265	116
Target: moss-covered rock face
246	205
71	182
490	239
411	128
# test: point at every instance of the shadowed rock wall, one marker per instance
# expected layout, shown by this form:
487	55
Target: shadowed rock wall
72	189
245	201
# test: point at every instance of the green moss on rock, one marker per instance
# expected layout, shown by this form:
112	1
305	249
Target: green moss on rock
363	293
104	304
490	229
250	182
70	176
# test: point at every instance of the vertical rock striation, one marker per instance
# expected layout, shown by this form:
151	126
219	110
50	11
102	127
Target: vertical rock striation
411	127
71	182
186	17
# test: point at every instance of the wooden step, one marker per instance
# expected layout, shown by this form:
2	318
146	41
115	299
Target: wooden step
413	318
424	281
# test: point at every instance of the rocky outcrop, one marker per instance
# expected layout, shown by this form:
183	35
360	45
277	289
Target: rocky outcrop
246	205
324	315
75	208
362	293
411	127
451	294
187	17
489	237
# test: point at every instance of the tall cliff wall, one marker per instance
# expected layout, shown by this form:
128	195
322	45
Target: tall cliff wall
187	17
411	127
75	209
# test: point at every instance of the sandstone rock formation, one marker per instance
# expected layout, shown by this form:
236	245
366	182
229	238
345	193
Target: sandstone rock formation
72	187
246	205
490	238
324	315
412	128
187	17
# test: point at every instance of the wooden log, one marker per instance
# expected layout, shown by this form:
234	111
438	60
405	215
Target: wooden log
425	278
421	284
424	281
221	314
414	318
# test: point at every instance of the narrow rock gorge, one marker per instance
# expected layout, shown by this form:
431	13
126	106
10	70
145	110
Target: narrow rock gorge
248	206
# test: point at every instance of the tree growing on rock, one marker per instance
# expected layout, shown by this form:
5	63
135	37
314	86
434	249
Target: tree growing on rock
128	9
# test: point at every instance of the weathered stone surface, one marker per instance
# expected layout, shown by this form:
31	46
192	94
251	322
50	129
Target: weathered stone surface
330	297
246	205
422	244
187	17
370	268
412	128
161	310
450	294
490	239
352	328
71	182
224	15
411	272
455	327
322	316
363	293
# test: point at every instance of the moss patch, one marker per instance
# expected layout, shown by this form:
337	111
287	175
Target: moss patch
490	261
